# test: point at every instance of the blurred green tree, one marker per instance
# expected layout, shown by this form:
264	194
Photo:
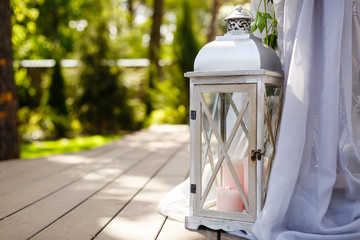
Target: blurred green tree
155	70
53	23
57	95
186	48
214	14
103	106
58	111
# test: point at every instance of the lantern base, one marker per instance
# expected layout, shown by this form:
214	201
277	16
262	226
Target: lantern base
193	223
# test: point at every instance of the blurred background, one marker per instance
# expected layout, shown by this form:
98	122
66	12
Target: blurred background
86	67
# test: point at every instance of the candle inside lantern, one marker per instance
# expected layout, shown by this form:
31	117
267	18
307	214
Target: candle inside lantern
228	180
229	199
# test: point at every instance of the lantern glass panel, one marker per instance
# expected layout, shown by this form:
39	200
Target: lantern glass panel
224	124
273	95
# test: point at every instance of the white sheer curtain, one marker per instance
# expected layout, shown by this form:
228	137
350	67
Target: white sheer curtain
314	189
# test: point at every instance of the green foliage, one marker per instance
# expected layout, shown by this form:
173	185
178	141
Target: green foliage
186	48
185	44
57	92
151	82
26	92
167	103
167	115
100	97
34	125
261	23
60	124
64	145
95	95
103	105
27	43
58	111
42	123
169	100
29	124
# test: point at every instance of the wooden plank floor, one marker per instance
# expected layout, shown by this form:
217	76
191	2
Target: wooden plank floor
110	192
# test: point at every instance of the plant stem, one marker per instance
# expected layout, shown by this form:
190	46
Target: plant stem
266	25
259	5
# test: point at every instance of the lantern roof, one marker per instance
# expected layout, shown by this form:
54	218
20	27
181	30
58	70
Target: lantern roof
237	49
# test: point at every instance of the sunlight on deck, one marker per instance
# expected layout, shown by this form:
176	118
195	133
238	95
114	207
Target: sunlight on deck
109	192
71	159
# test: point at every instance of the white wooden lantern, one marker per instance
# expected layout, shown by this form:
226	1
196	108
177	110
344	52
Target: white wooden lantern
235	106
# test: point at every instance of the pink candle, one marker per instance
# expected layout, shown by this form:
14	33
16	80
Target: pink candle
228	180
229	199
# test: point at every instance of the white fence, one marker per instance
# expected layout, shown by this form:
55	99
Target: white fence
70	63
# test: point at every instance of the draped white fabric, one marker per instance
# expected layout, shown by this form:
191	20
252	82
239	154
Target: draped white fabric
314	189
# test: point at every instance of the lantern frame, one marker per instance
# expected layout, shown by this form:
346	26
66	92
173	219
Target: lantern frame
254	83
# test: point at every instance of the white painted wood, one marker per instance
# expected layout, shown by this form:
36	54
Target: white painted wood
216	214
199	199
216	74
260	146
224	82
224	224
196	149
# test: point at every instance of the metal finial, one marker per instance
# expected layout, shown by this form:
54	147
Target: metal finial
239	21
238	8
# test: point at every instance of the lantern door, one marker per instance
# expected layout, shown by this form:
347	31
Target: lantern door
224	117
270	97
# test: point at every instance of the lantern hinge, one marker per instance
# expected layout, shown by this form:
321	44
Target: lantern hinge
193	188
193	115
256	154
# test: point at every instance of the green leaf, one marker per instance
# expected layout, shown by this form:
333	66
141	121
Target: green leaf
261	22
253	28
267	15
257	18
271	41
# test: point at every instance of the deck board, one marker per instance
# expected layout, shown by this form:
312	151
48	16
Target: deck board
37	189
109	192
140	219
40	169
175	230
37	216
101	207
11	168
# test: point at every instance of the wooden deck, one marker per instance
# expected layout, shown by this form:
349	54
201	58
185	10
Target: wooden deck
110	192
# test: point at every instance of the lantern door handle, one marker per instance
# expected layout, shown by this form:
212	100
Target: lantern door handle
256	154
